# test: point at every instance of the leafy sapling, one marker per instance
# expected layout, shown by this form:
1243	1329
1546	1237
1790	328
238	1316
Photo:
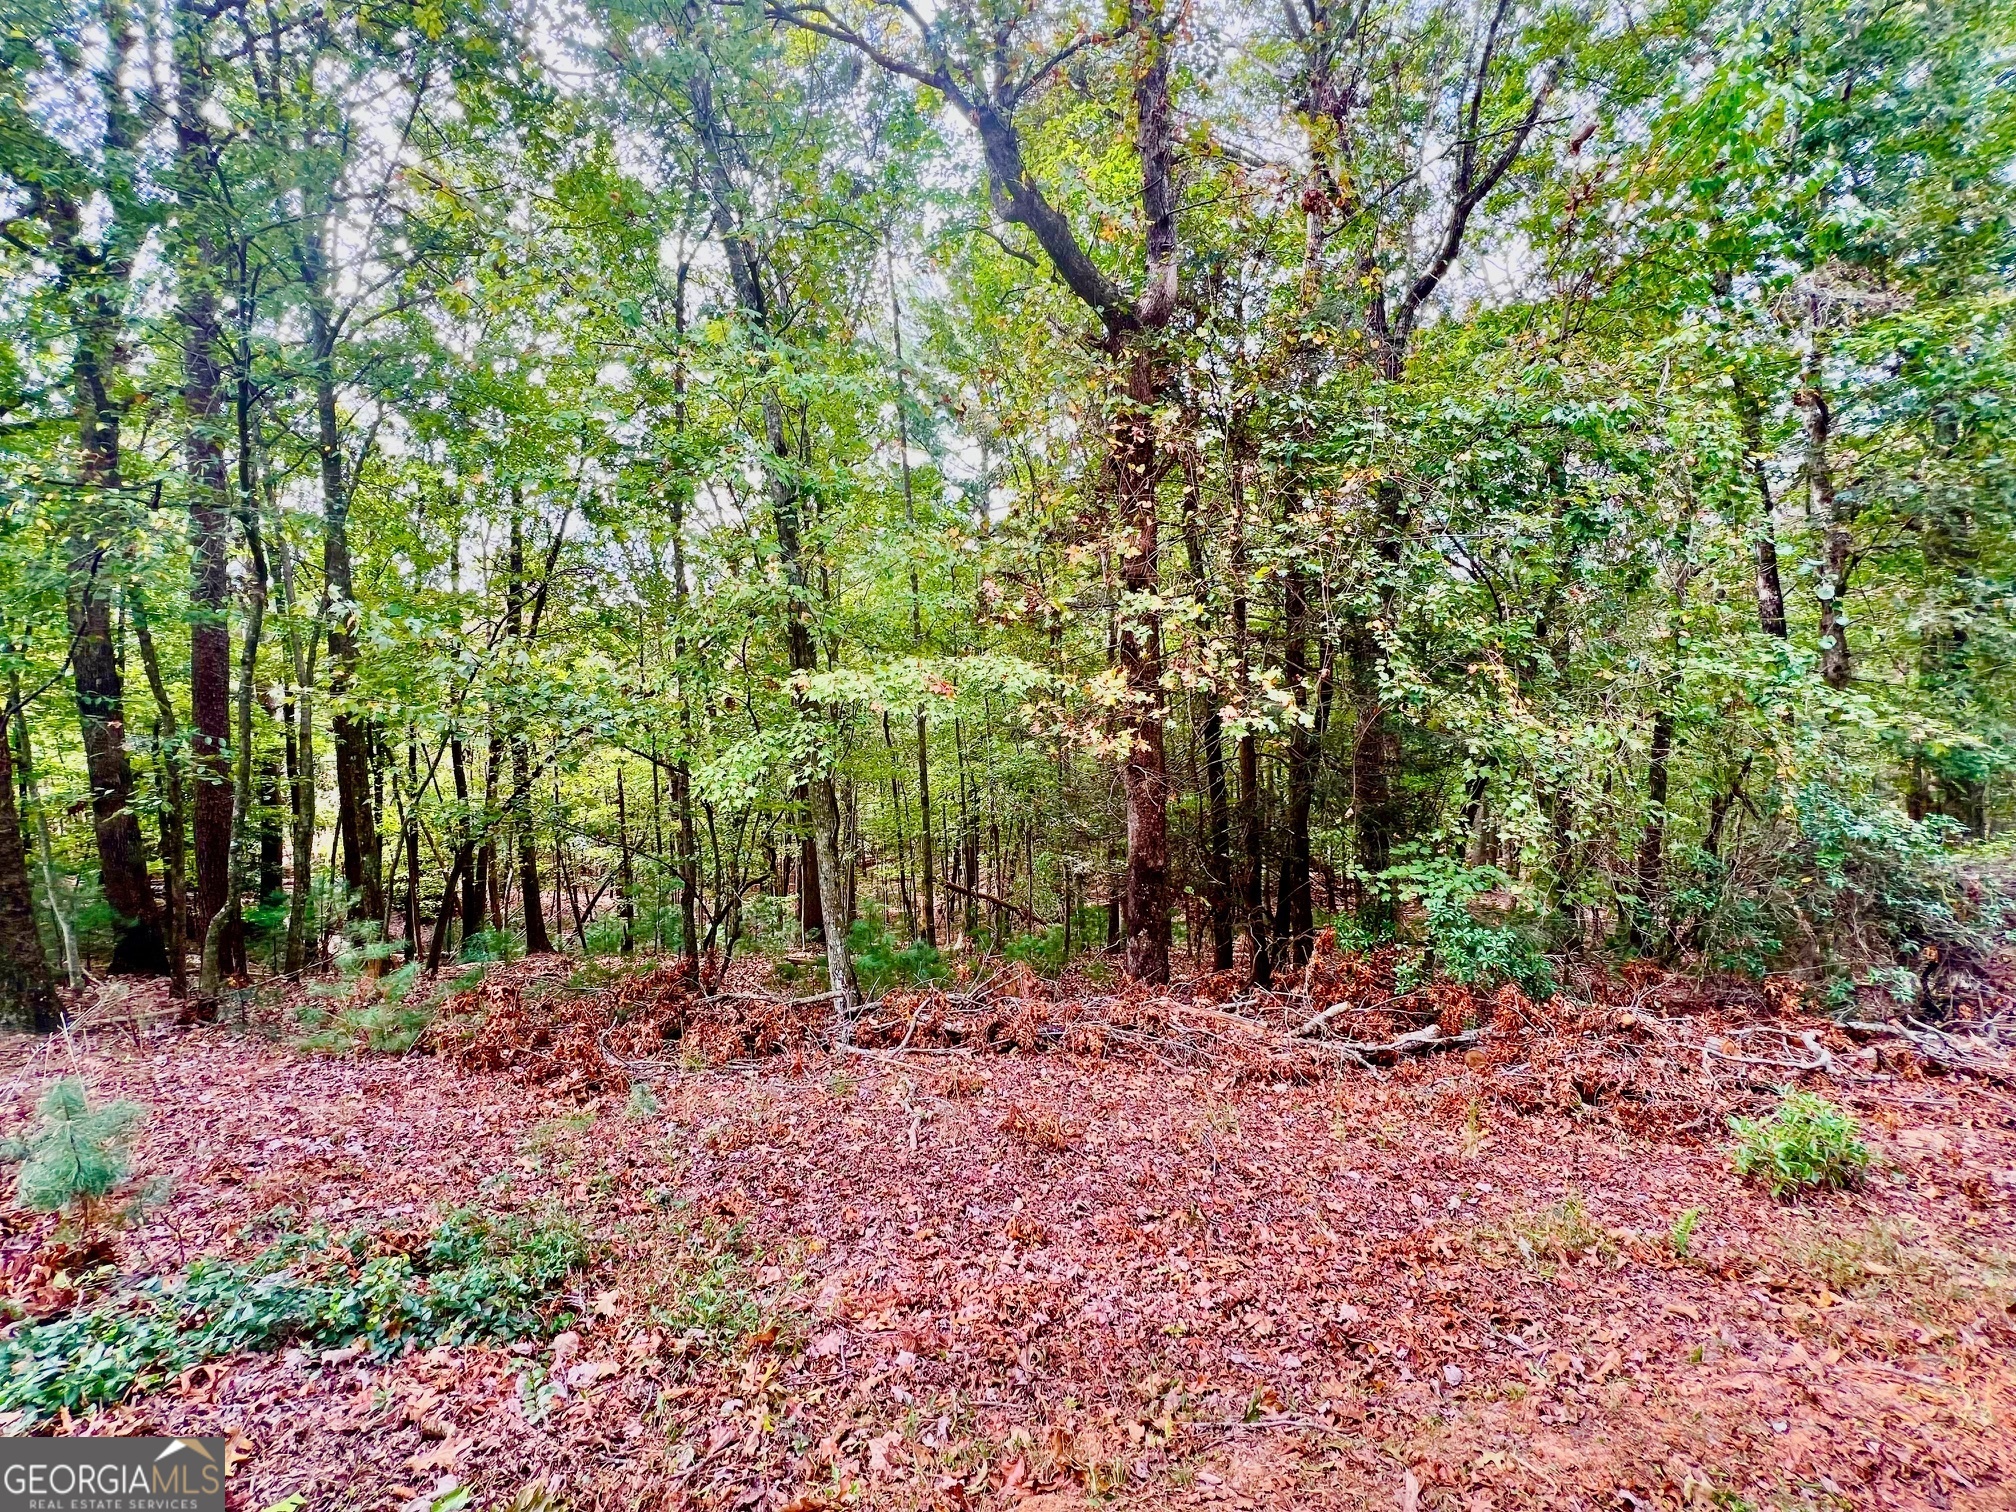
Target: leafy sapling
76	1155
1806	1142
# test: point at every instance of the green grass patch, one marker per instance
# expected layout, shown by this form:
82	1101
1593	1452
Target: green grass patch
476	1276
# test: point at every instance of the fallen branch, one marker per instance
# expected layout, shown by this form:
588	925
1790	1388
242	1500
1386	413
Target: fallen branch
989	898
1413	1042
1323	1018
1938	1047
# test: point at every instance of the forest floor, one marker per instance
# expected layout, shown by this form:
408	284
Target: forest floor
1053	1279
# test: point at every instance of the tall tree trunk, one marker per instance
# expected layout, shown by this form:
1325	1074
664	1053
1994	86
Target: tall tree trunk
688	862
490	883
627	874
1145	773
1952	562
1652	841
536	940
926	883
1218	832
137	947
444	917
27	988
209	589
780	484
30	794
301	654
272	865
201	331
412	843
225	920
174	805
811	897
1252	901
464	866
1294	909
1836	666
356	819
1294	913
1770	591
1375	744
94	274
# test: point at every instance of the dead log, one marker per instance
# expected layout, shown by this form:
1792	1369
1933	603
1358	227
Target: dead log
1414	1042
990	899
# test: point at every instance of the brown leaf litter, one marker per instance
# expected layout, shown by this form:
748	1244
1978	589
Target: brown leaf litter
1142	1244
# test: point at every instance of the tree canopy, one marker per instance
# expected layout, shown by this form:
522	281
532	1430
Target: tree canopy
1139	483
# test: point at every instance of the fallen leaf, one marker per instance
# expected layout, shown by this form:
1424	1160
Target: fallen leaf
588	1372
443	1456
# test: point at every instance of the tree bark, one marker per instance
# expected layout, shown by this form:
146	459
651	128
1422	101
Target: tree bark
464	865
27	987
1145	774
1252	826
93	276
537	941
174	805
1652	841
411	840
1836	666
356	819
1770	590
780	485
926	880
987	97
301	762
688	865
1218	833
73	968
1294	909
272	878
209	583
137	948
1375	746
226	919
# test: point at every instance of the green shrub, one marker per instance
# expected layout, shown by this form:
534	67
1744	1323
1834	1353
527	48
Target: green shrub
1807	1142
642	1106
1041	953
76	1154
477	1276
1044	953
488	946
1465	950
372	1013
605	935
879	963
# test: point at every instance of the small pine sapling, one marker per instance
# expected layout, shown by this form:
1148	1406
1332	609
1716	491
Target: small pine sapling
76	1155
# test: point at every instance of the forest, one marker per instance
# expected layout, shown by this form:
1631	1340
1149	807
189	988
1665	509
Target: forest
559	560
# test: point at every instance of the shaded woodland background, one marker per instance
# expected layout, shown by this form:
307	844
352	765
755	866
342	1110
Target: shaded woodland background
1135	484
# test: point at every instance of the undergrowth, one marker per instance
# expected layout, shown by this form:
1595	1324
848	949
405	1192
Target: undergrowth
1563	1232
475	1276
1807	1141
881	963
